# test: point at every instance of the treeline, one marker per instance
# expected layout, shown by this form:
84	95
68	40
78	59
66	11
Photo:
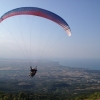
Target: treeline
86	96
32	96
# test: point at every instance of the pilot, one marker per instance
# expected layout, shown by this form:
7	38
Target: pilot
33	71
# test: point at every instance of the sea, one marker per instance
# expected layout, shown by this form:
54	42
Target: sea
92	64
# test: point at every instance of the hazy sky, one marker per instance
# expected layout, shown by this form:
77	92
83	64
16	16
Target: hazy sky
22	36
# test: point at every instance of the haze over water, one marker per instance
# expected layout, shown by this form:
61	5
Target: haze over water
82	63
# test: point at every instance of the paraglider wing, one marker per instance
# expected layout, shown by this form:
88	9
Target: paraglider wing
38	12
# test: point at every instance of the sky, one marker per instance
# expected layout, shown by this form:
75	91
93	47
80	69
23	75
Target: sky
33	37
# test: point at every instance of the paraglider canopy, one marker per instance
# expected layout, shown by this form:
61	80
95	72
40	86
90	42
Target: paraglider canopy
34	11
38	12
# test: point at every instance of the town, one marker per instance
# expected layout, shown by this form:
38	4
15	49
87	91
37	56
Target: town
51	77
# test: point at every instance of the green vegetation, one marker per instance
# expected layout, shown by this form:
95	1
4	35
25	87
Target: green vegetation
32	96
